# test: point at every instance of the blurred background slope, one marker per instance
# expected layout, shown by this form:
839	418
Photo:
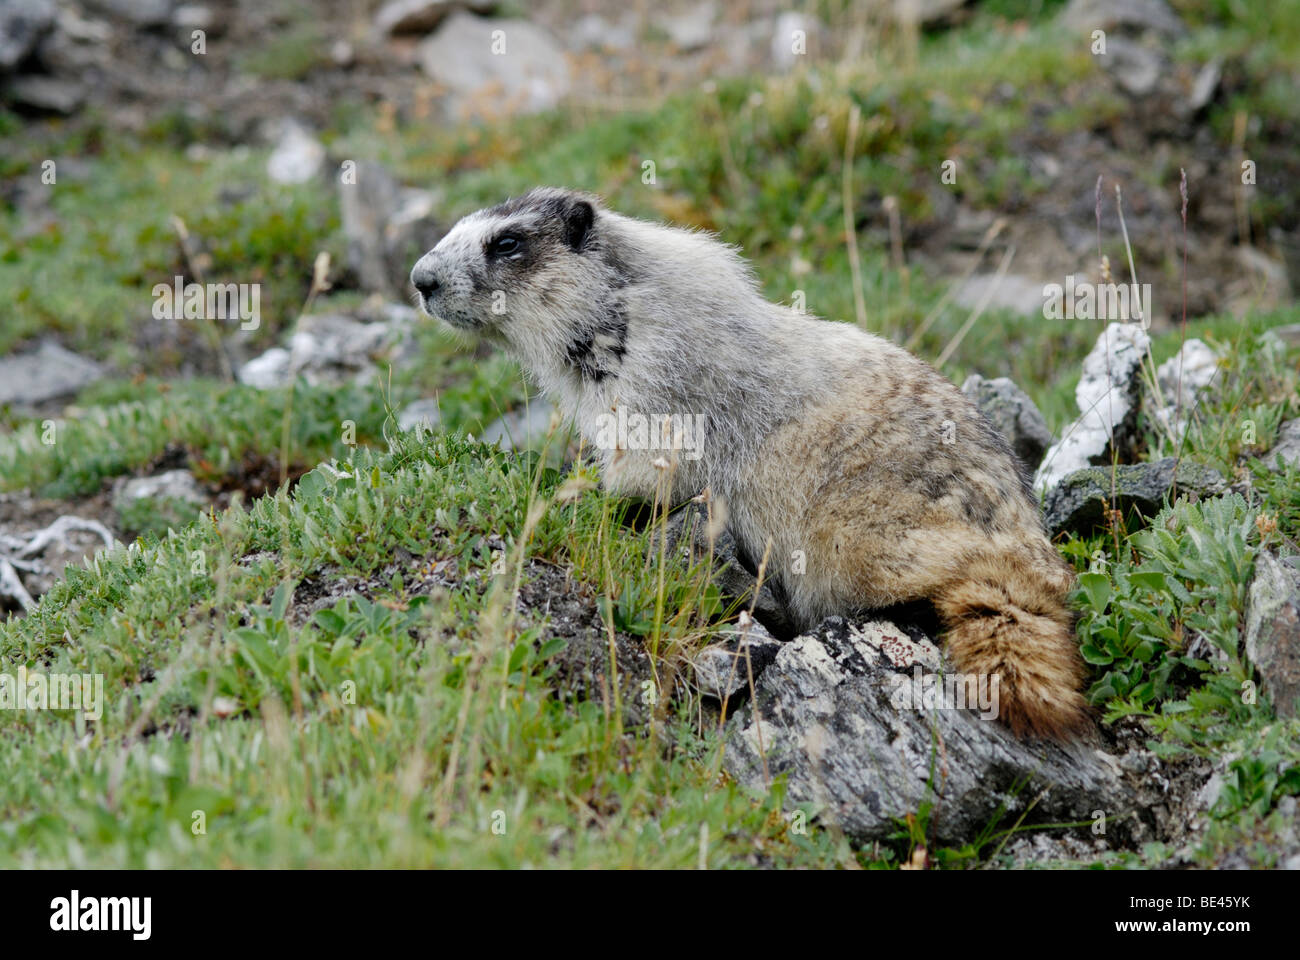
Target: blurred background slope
234	143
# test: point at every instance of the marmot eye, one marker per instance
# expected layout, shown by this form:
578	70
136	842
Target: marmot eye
504	246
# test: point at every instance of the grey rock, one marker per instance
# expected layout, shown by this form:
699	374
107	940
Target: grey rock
688	537
177	485
399	17
140	13
412	16
691	28
595	32
423	414
722	670
46	94
1132	15
386	226
1287	445
1135	67
77	48
22	24
528	75
1273	631
1081	500
331	348
1012	292
837	713
72	25
1013	415
523	429
48	373
1107	397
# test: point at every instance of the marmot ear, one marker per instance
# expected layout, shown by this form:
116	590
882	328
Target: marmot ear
578	219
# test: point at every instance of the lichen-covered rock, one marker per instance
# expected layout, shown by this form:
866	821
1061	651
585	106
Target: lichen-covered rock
866	731
1013	415
1080	501
1273	630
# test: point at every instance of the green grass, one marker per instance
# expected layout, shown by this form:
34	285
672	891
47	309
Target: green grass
396	730
218	426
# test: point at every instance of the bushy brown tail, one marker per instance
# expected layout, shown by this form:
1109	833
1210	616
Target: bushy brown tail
1020	630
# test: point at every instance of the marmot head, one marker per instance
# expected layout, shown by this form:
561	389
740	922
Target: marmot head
531	272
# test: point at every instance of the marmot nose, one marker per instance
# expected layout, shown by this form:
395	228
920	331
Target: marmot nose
425	281
427	286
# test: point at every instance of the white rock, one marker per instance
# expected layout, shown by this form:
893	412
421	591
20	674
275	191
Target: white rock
297	157
193	16
1106	395
170	485
722	669
1184	380
329	348
269	370
422	413
1088	15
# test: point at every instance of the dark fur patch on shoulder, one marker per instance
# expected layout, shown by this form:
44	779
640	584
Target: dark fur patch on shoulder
599	348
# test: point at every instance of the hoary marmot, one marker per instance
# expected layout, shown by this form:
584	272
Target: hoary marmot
840	448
